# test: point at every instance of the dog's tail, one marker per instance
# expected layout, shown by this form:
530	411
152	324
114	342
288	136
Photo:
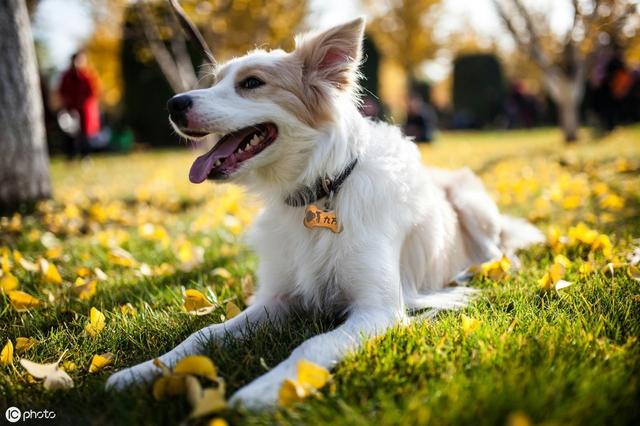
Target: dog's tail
516	234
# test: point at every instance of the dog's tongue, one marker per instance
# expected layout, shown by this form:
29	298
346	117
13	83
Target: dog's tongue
204	164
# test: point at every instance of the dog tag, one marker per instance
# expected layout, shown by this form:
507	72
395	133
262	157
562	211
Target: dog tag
315	217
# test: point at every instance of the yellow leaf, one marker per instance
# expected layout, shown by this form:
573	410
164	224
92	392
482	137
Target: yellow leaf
23	344
198	365
309	378
83	271
98	362
22	301
96	322
128	309
189	255
121	257
217	421
4	261
6	355
68	366
469	325
165	386
556	272
54	376
232	310
290	393
562	260
8	282
50	272
54	252
586	268
633	272
196	303
222	273
496	270
518	418
85	291
211	401
311	374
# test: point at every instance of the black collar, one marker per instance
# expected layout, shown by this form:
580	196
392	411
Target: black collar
323	187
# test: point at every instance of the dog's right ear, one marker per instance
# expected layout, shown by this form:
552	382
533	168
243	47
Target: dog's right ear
332	56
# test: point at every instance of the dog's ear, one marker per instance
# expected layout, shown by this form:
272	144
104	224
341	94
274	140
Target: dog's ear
333	55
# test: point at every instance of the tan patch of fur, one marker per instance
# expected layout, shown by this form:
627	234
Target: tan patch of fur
284	86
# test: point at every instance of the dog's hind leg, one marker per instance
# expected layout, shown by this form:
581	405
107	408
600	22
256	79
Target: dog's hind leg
196	343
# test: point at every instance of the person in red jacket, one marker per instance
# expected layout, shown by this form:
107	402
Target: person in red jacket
79	94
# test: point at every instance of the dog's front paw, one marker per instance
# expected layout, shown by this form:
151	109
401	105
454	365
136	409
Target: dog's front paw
140	374
260	394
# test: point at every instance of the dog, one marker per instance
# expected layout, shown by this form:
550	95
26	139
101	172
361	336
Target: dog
353	223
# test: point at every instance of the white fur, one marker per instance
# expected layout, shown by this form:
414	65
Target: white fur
408	230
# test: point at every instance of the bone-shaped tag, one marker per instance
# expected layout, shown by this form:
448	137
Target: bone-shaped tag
315	217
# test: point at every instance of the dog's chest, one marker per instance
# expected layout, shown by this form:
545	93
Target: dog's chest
311	261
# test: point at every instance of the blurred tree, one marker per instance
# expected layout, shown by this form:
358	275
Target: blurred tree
478	89
24	174
402	29
564	59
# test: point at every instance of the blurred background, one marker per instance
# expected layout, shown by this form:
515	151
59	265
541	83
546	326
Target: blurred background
107	67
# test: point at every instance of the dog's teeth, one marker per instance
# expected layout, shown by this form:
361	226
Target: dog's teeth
240	150
254	141
217	163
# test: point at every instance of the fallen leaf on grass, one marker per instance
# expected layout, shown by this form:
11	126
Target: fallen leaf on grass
310	377
121	257
189	255
173	383
8	282
197	365
6	355
128	309
49	272
22	301
54	376
195	303
204	401
26	265
222	273
231	310
552	276
96	322
469	325
98	362
23	344
633	272
85	290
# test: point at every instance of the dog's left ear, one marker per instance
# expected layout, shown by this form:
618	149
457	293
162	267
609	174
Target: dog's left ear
333	56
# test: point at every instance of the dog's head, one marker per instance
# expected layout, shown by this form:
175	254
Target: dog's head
269	106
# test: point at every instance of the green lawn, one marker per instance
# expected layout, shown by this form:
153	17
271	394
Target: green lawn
537	356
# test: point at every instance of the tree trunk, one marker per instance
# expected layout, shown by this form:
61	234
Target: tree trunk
567	93
568	114
24	173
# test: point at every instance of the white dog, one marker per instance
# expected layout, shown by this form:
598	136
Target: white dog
353	223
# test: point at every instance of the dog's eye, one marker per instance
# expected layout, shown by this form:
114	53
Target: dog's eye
251	83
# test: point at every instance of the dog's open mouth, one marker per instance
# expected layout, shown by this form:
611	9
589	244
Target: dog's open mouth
231	151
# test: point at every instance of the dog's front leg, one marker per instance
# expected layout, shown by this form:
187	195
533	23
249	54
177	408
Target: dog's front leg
325	350
145	372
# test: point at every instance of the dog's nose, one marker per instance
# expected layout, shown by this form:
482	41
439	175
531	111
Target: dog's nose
178	106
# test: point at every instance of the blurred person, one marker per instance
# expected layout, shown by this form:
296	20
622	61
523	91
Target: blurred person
611	81
421	118
79	95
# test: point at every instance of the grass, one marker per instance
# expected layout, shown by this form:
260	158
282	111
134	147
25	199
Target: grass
566	357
